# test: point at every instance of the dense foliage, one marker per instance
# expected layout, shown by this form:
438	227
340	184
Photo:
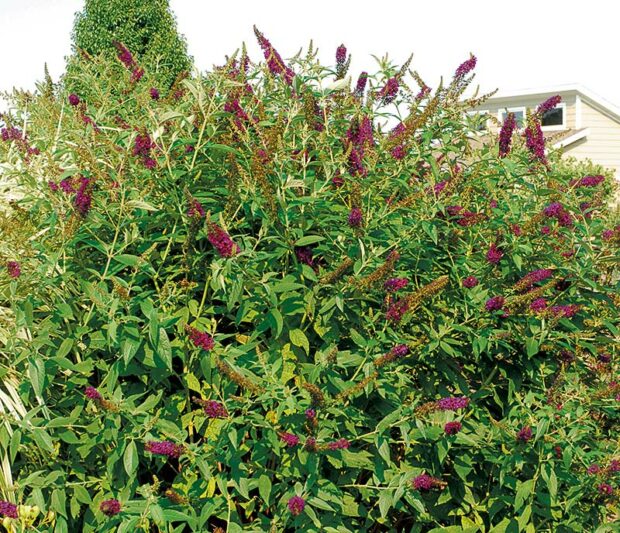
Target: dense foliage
278	302
146	27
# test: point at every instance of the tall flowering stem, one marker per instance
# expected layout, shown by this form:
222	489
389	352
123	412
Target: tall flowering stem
380	273
165	447
360	86
389	91
535	140
221	241
466	67
275	63
342	63
505	134
548	105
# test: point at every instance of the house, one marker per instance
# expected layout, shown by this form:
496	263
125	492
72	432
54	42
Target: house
584	125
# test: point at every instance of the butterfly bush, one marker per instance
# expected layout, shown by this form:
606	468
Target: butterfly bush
302	316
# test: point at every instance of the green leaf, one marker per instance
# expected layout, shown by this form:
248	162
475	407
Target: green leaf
524	492
309	239
139	204
222	148
127	259
264	488
298	338
130	458
531	345
164	349
65	348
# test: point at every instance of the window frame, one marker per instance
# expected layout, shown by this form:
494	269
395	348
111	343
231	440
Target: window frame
563	126
507	110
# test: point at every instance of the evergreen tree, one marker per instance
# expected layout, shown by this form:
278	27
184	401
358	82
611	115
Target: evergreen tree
146	27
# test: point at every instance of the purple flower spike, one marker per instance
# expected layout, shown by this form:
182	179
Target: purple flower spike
164	447
452	428
423	482
14	269
8	509
110	507
296	505
355	217
524	434
452	403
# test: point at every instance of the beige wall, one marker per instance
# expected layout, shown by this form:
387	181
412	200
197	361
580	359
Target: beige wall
602	144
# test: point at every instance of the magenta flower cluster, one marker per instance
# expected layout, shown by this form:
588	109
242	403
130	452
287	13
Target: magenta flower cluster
470	282
360	86
536	276
74	99
214	409
548	104
538	305
355	218
290	439
535	141
92	393
142	148
495	303
83	196
452	403
452	428
465	67
423	482
389	91
127	59
195	209
505	134
524	434
357	137
556	210
13	269
565	311
12	134
200	339
340	444
164	447
275	63
590	181
8	509
397	310
341	54
110	507
304	255
494	254
296	505
395	284
400	350
221	241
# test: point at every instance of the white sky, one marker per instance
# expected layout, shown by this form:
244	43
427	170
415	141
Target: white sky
519	44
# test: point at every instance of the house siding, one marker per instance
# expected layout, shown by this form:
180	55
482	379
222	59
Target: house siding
602	145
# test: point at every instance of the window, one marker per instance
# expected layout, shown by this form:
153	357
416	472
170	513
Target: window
518	112
555	118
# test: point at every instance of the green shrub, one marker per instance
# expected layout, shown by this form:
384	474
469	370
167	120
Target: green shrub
146	27
259	307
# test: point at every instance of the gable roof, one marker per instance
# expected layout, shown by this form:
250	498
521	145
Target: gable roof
596	101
